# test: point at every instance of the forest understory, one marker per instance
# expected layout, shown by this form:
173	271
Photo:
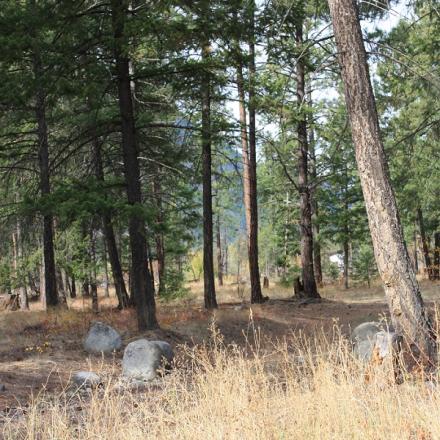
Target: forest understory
294	359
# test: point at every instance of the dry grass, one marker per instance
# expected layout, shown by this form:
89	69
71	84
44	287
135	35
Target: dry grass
297	380
302	388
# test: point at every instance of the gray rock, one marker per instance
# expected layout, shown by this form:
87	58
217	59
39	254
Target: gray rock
370	337
2	387
102	338
86	379
142	359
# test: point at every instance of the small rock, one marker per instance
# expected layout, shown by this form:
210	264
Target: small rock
86	379
142	359
2	388
102	338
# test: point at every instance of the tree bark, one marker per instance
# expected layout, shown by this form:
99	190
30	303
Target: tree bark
208	236
405	302
306	232
43	161
143	289
425	245
254	270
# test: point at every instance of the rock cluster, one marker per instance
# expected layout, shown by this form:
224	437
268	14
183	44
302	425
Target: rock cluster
143	360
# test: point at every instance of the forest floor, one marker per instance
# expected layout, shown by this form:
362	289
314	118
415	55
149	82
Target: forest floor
39	351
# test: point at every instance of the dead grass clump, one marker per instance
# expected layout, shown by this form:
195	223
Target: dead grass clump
302	388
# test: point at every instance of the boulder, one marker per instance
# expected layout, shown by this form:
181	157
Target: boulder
86	379
370	340
102	338
142	359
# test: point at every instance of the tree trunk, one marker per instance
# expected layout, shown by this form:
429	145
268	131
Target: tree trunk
416	259
143	289
150	265
22	294
436	271
226	254
256	295
407	310
66	284
317	266
346	260
346	230
42	286
425	245
105	264
43	160
219	253
86	287
159	238
73	288
93	277
208	236
109	234
115	262
306	232
62	291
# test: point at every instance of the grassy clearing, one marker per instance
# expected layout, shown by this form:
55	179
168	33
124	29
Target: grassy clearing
302	388
288	373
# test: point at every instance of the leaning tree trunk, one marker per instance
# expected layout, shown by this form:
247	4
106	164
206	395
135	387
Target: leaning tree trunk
405	302
208	233
306	231
143	289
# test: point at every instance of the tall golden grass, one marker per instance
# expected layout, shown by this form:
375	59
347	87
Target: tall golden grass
301	388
